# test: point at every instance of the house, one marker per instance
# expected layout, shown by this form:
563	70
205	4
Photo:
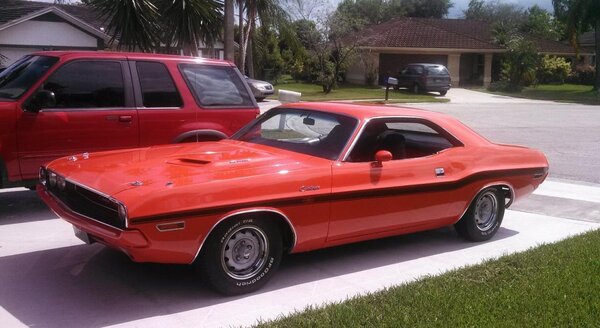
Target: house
587	44
465	47
28	26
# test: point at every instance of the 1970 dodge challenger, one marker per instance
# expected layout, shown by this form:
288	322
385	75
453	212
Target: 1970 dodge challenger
300	177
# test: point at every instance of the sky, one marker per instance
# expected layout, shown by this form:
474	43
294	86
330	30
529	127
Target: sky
459	5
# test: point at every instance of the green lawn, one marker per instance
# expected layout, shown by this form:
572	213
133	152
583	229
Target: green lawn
314	92
573	93
556	285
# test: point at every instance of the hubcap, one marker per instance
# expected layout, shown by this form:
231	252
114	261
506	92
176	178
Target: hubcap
485	211
245	252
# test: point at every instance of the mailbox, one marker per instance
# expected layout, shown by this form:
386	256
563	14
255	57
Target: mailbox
392	81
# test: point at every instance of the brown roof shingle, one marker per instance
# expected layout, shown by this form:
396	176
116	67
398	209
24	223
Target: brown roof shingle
408	32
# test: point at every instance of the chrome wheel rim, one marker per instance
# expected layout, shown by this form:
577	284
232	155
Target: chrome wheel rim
486	209
244	252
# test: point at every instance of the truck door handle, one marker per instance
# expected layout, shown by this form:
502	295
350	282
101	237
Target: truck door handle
125	118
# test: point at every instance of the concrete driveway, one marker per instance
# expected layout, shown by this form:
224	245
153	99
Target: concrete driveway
466	96
48	278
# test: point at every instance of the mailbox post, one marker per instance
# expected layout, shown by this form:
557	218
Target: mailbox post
390	82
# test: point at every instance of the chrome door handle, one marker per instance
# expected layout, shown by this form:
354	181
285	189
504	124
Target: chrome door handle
439	172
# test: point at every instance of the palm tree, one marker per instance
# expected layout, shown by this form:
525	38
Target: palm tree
580	16
149	24
134	22
228	30
187	22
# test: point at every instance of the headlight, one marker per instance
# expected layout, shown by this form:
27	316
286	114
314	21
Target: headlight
43	176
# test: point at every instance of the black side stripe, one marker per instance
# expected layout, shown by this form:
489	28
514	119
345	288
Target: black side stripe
343	196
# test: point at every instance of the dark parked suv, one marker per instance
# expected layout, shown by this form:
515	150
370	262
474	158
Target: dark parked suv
55	104
425	77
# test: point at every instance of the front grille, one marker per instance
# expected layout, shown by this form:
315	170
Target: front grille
88	203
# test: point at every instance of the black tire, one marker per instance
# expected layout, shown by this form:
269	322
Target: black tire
252	269
484	216
259	99
416	88
396	88
443	93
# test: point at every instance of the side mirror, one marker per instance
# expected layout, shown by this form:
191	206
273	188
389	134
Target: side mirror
382	156
42	99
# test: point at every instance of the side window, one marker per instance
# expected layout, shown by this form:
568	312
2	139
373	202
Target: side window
403	138
418	70
88	84
216	86
158	89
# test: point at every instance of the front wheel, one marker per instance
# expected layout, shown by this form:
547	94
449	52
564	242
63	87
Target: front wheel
240	256
443	93
483	218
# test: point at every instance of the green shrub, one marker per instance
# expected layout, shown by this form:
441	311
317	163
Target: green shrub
553	69
520	63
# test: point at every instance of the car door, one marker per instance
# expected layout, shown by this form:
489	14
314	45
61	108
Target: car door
408	192
93	111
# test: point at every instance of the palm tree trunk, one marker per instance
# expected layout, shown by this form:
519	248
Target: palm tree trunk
241	28
597	32
228	31
251	51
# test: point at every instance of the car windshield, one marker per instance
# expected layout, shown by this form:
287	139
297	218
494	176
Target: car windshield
22	74
437	71
304	131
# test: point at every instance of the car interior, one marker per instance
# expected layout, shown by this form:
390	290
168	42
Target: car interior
403	139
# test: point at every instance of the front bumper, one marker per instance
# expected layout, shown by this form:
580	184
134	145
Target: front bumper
131	241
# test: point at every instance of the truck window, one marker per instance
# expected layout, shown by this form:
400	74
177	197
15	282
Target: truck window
21	75
216	85
158	89
88	84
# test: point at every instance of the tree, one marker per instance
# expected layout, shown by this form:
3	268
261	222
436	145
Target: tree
581	16
367	12
496	12
542	23
268	13
150	24
228	30
135	22
188	22
333	51
520	63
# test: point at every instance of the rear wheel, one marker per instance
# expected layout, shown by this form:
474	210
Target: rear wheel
241	256
443	93
483	218
259	99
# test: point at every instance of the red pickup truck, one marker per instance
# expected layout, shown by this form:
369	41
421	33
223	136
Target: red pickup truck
54	104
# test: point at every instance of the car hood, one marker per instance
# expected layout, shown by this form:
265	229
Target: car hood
156	168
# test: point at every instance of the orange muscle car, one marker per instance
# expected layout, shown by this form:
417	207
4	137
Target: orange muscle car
300	177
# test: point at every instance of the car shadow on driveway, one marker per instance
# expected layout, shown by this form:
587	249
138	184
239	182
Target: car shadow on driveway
22	206
93	286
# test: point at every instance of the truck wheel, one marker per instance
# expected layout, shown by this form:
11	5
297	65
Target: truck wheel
241	256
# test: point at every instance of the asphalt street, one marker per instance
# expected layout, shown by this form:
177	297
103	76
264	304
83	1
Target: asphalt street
48	278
